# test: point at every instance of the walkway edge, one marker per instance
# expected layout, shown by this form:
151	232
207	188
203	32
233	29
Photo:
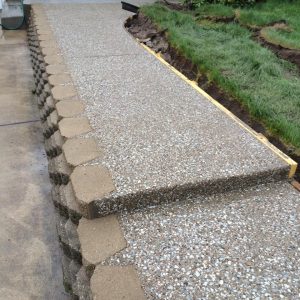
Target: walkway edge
260	137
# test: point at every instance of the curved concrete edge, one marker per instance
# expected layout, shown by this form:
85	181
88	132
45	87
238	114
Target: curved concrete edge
74	185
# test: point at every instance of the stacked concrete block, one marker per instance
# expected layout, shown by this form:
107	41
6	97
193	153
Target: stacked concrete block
85	243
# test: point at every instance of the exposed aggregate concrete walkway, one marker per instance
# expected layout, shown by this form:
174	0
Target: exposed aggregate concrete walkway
158	136
137	135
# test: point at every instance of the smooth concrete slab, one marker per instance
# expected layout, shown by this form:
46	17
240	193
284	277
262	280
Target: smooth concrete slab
239	245
12	37
14	108
30	262
157	133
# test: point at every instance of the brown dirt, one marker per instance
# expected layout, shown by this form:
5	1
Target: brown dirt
216	19
142	28
174	5
290	55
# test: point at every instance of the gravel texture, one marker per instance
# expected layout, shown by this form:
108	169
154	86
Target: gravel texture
240	245
156	132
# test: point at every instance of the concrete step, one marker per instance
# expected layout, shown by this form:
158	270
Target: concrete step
238	245
160	139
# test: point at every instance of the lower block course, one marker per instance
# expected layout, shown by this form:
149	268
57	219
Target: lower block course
68	198
82	285
59	170
53	144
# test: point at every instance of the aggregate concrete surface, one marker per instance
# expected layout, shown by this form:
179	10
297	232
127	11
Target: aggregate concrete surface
30	259
155	131
239	245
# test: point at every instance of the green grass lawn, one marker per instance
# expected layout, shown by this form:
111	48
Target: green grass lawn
261	15
215	10
266	85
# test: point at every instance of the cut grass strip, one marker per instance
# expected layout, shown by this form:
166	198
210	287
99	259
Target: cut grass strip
266	85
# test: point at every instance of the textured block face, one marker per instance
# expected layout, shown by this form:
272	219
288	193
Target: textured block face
116	283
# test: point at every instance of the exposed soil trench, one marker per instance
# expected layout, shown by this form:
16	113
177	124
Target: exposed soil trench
142	28
290	55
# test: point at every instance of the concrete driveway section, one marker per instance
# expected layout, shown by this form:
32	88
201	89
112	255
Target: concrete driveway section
30	262
161	139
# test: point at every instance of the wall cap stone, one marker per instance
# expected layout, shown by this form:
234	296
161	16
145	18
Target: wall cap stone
116	283
91	183
100	239
69	108
59	79
53	59
56	69
63	92
78	151
70	127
